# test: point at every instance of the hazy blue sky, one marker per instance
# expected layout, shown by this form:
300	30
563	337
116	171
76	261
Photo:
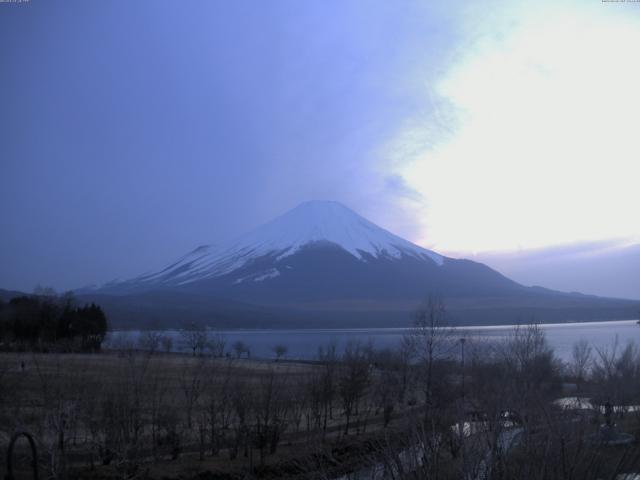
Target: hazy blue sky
133	131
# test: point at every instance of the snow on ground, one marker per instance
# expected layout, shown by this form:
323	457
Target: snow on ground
584	403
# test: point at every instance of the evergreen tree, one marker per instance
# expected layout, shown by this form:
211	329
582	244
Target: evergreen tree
44	320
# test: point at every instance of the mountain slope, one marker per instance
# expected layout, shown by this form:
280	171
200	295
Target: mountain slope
323	261
607	268
311	223
319	251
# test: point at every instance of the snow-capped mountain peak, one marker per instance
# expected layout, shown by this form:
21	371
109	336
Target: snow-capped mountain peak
328	221
308	224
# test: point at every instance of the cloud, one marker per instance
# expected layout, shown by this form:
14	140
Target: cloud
534	140
397	186
607	268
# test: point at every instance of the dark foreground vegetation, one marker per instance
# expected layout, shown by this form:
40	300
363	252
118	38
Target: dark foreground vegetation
438	407
47	322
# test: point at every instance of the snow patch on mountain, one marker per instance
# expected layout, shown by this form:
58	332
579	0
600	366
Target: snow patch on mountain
272	273
181	270
259	277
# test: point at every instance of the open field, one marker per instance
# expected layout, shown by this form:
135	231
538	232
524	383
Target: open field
367	414
113	413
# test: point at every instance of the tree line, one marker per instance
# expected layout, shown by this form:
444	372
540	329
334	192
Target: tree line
48	322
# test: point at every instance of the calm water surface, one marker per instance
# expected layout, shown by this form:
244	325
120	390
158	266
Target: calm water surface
304	343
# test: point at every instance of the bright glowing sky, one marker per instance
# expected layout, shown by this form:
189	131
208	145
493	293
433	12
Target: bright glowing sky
132	132
538	130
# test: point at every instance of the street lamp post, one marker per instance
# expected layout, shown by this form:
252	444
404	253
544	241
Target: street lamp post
462	341
462	407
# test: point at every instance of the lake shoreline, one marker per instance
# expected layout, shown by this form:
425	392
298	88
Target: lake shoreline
304	344
373	327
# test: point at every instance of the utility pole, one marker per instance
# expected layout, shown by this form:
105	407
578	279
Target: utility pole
461	426
462	341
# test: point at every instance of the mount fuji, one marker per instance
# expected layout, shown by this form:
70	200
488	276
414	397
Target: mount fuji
321	264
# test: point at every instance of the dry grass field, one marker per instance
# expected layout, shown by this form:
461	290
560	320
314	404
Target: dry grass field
364	414
130	413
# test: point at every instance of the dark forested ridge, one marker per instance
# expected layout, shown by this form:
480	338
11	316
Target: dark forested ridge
170	309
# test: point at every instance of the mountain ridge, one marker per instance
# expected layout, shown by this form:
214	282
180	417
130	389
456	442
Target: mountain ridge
322	262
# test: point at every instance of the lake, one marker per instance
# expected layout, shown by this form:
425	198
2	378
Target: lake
304	343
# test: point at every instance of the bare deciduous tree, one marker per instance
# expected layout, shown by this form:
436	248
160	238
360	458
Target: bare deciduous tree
150	341
195	338
191	384
216	345
280	351
167	343
430	339
240	348
580	360
353	380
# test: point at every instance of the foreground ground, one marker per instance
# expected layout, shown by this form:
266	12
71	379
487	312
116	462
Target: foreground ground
362	414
